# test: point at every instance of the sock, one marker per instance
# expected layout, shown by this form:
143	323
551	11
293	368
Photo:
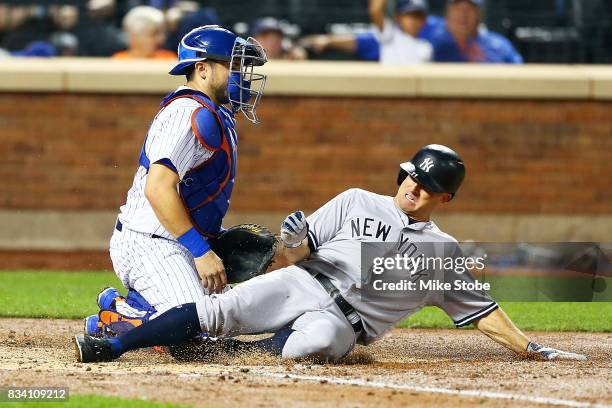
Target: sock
171	327
273	345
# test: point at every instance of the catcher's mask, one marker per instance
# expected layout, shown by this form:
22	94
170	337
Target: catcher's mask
245	87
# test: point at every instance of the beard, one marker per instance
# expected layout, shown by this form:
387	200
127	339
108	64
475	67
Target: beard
220	87
221	95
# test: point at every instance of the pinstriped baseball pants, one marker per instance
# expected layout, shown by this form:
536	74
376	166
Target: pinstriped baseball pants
161	270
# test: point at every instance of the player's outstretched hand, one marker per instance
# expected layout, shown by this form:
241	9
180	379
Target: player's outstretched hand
548	353
211	270
294	229
316	43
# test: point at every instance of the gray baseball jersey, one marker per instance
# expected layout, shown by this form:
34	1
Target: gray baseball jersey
339	229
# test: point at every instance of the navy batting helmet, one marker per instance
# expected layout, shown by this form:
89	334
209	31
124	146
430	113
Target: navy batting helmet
436	167
213	42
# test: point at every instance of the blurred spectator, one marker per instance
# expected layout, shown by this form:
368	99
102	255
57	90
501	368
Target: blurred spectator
145	30
183	17
398	38
65	19
41	31
411	23
459	39
66	44
97	34
10	18
270	34
33	24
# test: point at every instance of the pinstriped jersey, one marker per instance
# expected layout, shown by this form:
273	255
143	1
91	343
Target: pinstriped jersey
169	137
355	219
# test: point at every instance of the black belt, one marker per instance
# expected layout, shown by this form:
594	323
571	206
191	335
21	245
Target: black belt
119	227
345	307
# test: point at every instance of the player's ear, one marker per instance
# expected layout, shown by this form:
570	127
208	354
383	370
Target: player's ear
446	197
201	69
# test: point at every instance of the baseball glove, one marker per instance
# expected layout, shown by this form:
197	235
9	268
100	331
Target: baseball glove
247	250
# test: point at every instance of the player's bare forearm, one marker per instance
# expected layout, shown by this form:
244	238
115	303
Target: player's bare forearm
498	326
296	254
376	9
321	42
346	43
161	192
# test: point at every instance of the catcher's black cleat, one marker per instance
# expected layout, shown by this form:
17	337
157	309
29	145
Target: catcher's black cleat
90	349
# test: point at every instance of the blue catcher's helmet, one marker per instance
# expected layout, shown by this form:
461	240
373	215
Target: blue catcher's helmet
206	42
213	42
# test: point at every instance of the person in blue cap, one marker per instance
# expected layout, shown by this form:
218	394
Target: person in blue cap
183	185
401	37
270	33
461	39
399	42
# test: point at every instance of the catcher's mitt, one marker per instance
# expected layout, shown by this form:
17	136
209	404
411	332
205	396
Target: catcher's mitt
246	250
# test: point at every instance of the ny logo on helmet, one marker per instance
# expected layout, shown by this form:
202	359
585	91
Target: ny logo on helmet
426	164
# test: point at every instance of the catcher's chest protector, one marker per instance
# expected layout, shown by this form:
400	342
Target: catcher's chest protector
206	189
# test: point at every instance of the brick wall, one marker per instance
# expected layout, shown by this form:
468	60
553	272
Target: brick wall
79	151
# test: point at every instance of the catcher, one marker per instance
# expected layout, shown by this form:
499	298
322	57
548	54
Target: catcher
181	191
324	304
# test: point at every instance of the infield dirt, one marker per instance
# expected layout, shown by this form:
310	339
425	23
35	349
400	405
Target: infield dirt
426	367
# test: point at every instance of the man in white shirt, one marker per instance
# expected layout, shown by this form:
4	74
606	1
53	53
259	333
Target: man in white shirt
399	44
